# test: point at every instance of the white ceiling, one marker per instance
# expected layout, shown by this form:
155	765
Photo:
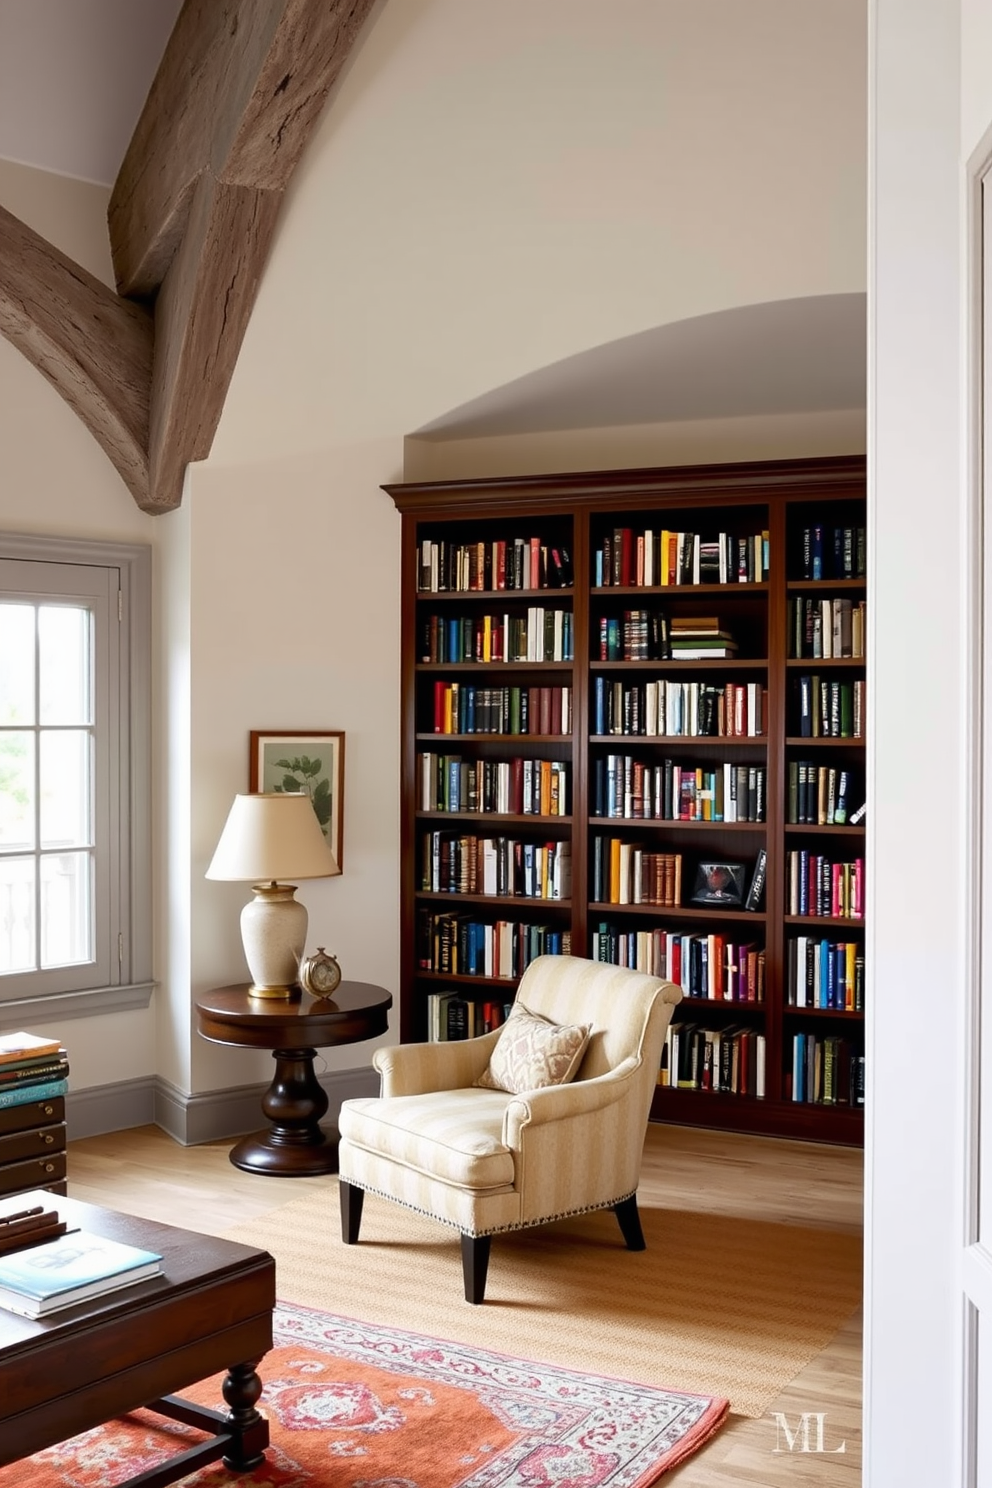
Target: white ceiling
74	75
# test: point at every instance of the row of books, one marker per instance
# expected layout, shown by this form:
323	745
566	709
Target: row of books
463	708
58	1267
624	786
703	965
821	973
646	559
500	866
679	709
829	708
821	796
819	885
519	787
515	563
827	1070
636	635
626	556
827	628
720	1061
32	1068
831	552
452	1016
461	945
627	873
539	635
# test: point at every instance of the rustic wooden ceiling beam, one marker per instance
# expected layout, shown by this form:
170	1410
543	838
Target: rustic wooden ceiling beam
193	211
192	215
92	346
238	91
201	314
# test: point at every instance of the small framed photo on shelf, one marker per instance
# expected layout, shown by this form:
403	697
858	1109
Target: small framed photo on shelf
719	886
303	760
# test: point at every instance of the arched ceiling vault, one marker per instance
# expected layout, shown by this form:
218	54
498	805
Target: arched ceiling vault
801	355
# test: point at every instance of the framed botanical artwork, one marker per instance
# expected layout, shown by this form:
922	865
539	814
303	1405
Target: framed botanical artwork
304	760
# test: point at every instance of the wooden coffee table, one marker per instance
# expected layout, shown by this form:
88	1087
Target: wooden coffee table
211	1310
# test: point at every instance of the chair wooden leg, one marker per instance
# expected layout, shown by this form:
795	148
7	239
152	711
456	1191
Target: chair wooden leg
352	1199
475	1264
630	1223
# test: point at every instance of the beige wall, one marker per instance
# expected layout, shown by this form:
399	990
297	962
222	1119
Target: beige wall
495	188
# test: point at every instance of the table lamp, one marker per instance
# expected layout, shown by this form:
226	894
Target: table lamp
268	838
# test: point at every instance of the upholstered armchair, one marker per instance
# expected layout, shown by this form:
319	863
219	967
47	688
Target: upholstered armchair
442	1139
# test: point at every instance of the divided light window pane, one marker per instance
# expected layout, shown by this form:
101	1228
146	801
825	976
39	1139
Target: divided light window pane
56	760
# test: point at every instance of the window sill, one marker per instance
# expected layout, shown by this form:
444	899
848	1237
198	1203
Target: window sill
86	1004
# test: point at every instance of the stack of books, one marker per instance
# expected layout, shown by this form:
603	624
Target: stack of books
31	1069
700	638
74	1267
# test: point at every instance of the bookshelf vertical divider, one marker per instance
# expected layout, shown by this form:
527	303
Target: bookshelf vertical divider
777	994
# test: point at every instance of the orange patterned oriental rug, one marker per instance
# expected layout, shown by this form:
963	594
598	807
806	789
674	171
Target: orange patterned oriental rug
356	1405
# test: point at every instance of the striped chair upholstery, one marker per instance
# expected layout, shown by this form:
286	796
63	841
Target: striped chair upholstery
484	1161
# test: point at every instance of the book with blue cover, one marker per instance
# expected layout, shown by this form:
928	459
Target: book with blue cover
72	1268
22	1093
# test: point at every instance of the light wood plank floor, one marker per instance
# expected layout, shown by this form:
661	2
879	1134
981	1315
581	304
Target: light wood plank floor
144	1172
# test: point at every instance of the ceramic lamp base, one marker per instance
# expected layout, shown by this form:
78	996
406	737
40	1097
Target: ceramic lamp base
274	932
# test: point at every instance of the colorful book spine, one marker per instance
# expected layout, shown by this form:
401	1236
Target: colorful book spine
22	1095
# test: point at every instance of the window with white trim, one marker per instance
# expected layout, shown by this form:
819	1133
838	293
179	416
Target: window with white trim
74	776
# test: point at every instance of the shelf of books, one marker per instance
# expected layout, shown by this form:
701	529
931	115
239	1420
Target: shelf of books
633	729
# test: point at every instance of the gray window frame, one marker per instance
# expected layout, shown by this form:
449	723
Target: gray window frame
28	998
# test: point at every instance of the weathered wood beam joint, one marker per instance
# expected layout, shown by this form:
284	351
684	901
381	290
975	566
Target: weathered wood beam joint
193	212
92	346
201	315
192	216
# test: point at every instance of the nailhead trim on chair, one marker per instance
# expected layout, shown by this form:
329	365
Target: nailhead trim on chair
497	1229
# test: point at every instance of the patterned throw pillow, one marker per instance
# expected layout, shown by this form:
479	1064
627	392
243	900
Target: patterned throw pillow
533	1052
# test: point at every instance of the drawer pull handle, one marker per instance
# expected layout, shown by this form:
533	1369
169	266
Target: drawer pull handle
48	1110
48	1167
47	1138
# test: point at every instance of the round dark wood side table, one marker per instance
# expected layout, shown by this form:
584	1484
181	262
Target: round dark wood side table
295	1145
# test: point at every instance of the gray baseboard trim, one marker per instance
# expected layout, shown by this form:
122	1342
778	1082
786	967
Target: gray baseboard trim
110	1108
192	1119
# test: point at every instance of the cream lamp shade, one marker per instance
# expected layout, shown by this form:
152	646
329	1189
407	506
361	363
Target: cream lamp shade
268	839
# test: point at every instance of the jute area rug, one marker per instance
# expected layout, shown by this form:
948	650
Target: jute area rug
360	1406
716	1305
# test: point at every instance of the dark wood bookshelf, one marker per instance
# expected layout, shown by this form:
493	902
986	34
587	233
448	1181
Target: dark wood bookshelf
515	818
577	512
504	596
827	741
516	901
808	828
728	664
827	586
839	1015
487	738
673	824
830	922
676	591
680	912
465	979
824	663
696	742
494	668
